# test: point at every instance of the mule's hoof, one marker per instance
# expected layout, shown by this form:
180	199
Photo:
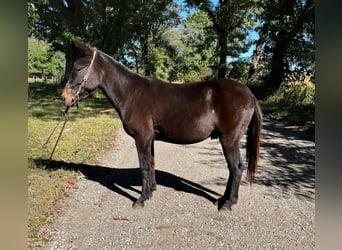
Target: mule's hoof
220	202
138	204
224	207
223	204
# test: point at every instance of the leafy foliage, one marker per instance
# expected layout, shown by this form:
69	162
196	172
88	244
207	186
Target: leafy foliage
297	93
231	21
286	30
188	40
43	61
38	57
239	70
184	45
151	20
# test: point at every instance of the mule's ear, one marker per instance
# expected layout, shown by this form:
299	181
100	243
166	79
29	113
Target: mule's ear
84	49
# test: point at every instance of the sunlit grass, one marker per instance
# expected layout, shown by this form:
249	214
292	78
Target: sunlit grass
88	133
293	103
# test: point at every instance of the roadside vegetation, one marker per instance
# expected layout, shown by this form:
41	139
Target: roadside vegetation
88	133
293	103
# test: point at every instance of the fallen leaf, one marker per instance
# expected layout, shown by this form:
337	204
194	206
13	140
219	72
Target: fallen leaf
120	218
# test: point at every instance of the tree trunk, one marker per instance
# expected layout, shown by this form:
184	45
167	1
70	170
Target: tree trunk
222	67
70	58
145	57
255	62
144	52
278	64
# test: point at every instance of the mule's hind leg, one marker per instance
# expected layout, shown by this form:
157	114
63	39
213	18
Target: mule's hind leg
152	171
236	167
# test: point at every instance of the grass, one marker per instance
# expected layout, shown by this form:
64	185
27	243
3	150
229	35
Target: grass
293	103
88	133
300	115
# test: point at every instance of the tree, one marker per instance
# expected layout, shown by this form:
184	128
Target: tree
110	25
104	24
239	70
150	37
58	22
42	60
290	25
191	48
231	21
37	57
150	20
57	65
286	43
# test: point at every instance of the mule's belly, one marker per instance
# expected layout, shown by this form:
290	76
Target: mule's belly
186	131
180	139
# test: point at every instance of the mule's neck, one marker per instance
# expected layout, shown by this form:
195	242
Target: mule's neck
119	83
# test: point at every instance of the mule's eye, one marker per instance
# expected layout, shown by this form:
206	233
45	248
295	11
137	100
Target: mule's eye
79	68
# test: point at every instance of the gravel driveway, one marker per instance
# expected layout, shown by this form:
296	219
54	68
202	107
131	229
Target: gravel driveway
277	212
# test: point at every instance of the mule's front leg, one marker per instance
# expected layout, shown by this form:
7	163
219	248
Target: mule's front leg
145	162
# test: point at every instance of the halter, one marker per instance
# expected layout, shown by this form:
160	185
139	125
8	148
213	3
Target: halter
65	113
85	78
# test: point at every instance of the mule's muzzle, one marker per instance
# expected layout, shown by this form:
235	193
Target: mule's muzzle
68	98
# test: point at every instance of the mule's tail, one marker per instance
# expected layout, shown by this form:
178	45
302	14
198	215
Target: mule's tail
253	142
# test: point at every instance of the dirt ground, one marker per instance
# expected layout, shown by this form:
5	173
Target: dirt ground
277	212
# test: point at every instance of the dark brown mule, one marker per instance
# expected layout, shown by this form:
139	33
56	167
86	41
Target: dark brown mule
151	109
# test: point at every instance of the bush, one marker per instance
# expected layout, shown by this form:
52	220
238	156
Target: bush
297	93
293	102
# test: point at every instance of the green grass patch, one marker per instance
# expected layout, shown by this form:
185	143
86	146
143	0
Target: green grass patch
45	190
301	115
294	104
88	133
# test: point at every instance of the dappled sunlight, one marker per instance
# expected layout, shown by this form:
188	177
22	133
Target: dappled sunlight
287	163
45	100
287	160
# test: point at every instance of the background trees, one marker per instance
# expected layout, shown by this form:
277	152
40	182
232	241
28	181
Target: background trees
286	44
231	21
186	40
190	49
43	61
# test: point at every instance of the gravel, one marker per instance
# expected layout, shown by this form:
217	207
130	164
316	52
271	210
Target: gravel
277	212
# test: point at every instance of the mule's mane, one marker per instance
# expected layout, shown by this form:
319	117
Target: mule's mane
124	69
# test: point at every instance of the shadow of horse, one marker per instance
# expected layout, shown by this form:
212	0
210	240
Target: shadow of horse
118	179
288	155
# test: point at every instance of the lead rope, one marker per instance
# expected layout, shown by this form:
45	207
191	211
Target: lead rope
66	116
65	113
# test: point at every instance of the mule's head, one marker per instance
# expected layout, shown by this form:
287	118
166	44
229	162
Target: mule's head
83	78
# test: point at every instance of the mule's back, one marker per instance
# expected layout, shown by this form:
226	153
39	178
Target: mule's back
189	113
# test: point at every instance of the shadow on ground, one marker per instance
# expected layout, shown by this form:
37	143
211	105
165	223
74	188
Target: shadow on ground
287	160
117	179
292	160
287	163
